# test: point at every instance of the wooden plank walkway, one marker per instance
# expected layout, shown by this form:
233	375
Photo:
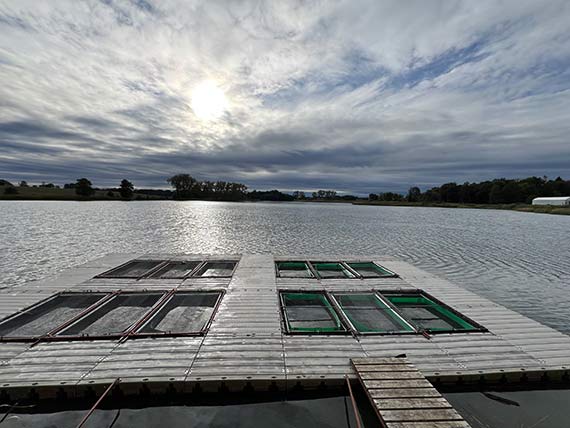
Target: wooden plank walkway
402	396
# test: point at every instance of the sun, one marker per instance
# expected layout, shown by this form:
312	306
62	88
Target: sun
208	101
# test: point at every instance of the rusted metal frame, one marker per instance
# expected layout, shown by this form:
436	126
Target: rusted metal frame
153	270
76	337
23	311
105	393
94	306
353	401
201	332
206	327
189	274
195	270
109	273
166	334
132	331
175	262
76	319
154	308
47	300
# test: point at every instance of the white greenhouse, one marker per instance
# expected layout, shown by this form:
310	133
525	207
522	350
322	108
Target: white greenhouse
558	200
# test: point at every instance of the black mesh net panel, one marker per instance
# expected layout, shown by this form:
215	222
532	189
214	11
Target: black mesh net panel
184	313
132	269
45	317
175	270
216	269
115	317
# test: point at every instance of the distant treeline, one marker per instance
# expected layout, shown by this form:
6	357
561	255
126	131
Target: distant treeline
500	191
323	195
187	187
269	195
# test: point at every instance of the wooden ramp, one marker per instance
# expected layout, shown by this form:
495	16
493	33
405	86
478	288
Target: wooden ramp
403	397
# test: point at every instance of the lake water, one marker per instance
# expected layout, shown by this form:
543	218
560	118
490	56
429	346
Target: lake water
521	260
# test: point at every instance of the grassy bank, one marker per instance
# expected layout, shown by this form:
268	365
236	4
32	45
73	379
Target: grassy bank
542	209
54	194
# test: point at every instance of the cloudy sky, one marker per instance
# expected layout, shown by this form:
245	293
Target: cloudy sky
351	95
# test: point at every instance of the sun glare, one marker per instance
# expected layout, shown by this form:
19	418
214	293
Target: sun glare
208	101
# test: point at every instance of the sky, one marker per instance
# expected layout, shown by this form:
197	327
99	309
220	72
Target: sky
356	96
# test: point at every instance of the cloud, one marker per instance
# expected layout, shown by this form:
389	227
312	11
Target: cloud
358	96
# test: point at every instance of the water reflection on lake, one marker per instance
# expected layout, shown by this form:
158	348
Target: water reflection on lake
521	260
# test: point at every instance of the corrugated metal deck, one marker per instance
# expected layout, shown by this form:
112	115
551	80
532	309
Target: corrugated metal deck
246	342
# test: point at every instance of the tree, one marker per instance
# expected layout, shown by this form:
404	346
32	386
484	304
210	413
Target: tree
10	190
110	194
297	194
127	189
496	196
83	187
512	193
414	194
183	184
373	197
23	183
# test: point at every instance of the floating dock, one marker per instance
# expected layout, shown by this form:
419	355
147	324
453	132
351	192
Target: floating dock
261	322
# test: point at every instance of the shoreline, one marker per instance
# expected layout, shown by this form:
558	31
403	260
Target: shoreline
101	196
538	209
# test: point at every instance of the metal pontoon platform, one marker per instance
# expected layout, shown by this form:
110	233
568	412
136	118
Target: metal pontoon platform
247	343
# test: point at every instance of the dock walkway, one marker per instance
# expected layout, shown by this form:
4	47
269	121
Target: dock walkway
402	396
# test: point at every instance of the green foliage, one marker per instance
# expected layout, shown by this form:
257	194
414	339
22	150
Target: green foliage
83	187
499	191
389	196
127	189
271	195
414	194
10	190
187	187
325	194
